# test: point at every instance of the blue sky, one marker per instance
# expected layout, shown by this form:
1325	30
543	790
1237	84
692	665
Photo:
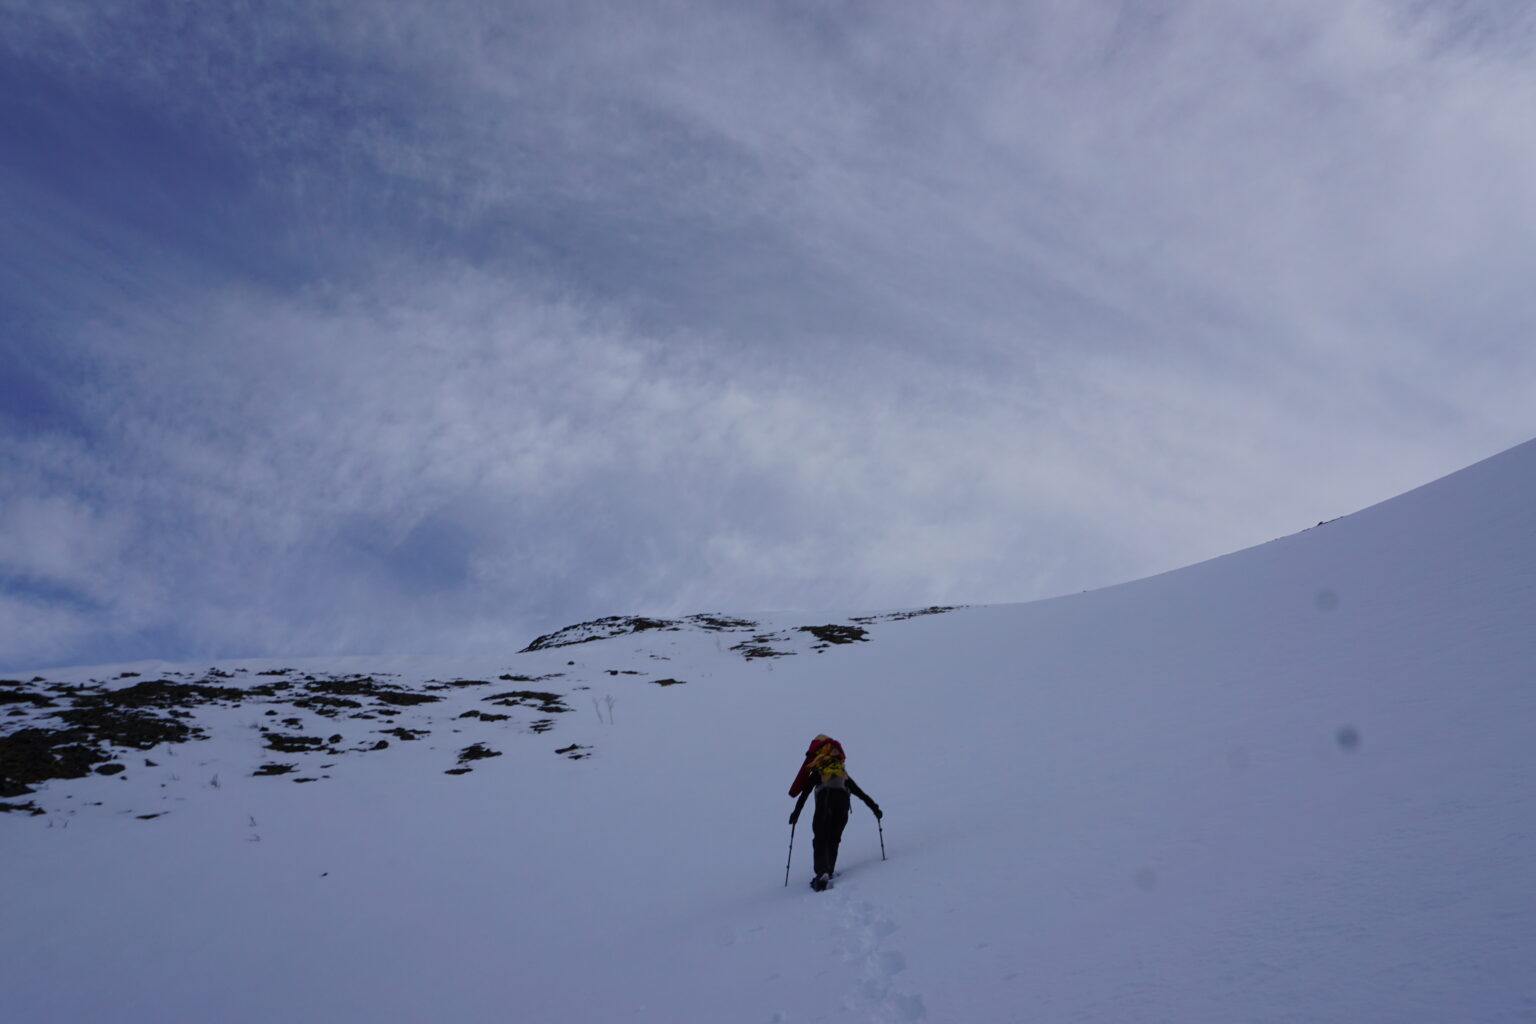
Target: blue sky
431	327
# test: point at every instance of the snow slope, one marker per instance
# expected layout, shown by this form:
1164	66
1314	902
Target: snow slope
1293	784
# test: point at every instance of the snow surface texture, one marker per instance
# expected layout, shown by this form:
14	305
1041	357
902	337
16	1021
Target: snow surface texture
1296	783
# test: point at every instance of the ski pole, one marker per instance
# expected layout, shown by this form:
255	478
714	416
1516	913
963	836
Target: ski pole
880	826
792	852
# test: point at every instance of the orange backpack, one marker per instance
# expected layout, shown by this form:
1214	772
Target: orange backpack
825	758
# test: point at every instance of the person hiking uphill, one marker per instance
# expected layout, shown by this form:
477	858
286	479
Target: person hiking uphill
823	773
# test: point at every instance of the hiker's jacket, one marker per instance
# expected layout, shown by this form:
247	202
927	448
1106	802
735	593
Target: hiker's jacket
840	784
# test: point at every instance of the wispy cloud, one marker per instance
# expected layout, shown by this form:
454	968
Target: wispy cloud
427	328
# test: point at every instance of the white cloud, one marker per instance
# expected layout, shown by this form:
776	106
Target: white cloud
717	307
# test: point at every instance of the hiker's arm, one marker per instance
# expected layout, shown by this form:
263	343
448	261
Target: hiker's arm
795	815
853	787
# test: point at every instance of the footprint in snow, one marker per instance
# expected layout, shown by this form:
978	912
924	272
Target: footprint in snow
864	929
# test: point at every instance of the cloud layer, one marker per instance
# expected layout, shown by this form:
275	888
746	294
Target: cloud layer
332	331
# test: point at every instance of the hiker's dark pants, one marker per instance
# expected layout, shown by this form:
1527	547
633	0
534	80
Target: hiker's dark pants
827	827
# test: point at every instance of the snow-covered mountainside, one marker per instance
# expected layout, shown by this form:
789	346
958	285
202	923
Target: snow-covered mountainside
1293	784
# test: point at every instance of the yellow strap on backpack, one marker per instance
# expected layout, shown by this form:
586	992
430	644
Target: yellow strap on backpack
829	764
